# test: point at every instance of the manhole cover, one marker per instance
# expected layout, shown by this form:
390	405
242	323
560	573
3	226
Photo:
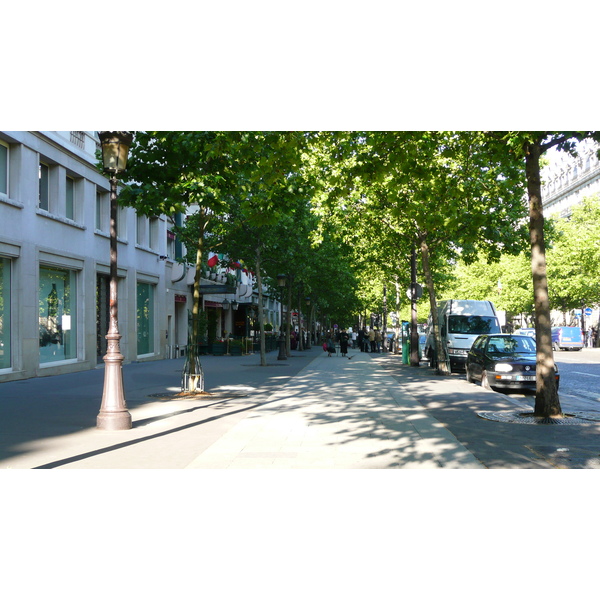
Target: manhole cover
527	418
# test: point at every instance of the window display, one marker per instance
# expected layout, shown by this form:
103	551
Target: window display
58	314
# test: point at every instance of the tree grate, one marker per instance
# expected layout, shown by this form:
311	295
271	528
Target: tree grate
527	418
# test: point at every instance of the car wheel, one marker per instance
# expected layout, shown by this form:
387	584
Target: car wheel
485	384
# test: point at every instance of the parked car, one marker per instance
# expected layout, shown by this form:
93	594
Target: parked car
567	338
505	361
529	332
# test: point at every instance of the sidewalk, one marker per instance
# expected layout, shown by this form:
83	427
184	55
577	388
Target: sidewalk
309	412
338	413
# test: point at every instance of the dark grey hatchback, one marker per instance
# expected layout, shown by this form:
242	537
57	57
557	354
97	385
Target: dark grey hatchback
504	361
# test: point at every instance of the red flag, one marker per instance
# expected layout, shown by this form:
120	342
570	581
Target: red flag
213	261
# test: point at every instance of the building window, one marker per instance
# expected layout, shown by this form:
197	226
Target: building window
70	194
57	314
142	231
102	313
3	169
102	211
171	239
145	318
153	233
44	186
4	313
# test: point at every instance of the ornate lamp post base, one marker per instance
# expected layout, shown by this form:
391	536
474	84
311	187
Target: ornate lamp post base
113	415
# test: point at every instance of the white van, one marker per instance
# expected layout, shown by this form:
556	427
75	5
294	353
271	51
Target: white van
460	322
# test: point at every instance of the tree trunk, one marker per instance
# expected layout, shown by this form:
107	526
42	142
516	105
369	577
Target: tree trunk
193	374
261	312
288	333
300	337
443	367
384	332
546	398
414	333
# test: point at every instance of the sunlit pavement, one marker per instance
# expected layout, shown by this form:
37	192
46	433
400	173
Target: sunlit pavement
309	412
338	413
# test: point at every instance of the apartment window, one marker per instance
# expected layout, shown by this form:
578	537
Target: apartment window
141	231
145	318
57	314
171	239
102	211
44	186
3	169
70	195
153	233
5	361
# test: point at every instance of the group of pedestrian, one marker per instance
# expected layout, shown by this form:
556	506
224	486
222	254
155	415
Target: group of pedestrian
342	338
366	341
369	341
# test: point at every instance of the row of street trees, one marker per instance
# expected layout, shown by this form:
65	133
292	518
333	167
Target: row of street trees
342	213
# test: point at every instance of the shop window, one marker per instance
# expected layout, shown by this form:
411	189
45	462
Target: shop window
145	318
102	313
57	314
5	353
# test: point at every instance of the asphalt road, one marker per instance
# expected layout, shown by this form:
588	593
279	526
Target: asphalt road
580	378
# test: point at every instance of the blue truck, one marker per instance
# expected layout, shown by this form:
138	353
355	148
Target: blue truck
567	338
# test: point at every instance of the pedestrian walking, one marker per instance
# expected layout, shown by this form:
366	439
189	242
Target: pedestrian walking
344	337
330	345
361	339
372	340
378	339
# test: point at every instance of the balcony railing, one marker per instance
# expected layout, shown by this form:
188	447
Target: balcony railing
78	138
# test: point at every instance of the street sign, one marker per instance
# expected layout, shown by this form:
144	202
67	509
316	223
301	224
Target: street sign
418	292
588	312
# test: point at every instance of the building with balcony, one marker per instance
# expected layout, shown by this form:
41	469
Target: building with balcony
567	180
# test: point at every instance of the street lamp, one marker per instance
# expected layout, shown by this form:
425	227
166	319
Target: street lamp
113	413
281	279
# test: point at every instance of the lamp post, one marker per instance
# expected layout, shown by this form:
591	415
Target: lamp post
113	413
281	279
